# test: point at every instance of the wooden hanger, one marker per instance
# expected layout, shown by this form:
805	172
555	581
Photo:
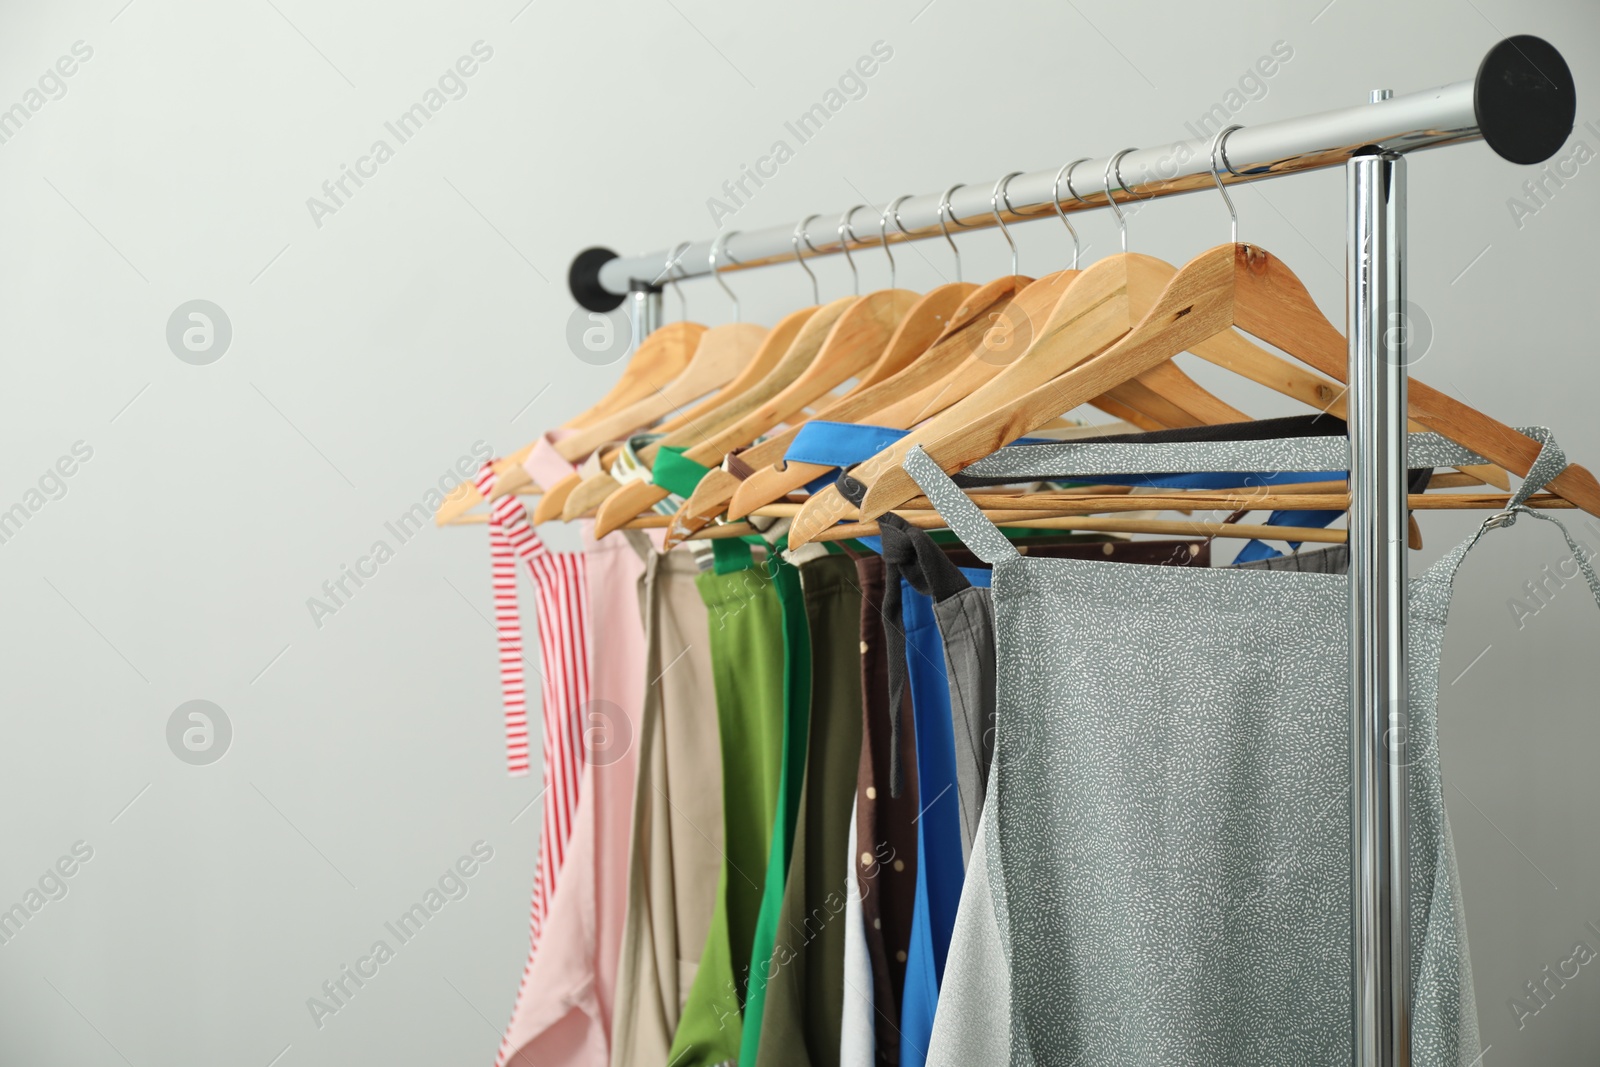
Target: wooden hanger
803	350
945	306
659	358
1094	306
985	337
932	520
767	357
753	384
774	477
651	367
1104	303
773	345
963	333
555	503
916	332
1123	288
762	363
1230	285
1165	397
717	488
722	351
855	343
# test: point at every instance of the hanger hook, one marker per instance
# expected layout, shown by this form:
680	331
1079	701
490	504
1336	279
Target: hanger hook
883	230
1055	198
1115	164
799	232
721	242
944	206
1219	143
670	272
994	205
1005	198
846	235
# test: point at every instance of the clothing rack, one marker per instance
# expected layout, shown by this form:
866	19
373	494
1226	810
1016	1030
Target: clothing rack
1522	101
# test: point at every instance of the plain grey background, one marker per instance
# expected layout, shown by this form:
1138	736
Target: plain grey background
371	352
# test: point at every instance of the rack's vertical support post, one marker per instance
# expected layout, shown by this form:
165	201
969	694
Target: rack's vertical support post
1380	983
644	311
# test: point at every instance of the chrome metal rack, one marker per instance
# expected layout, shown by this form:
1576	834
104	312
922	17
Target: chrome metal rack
1521	102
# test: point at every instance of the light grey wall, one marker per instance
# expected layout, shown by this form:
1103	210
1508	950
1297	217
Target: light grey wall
428	313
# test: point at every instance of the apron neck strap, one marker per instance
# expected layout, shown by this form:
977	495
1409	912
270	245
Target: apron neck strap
510	536
1550	462
964	518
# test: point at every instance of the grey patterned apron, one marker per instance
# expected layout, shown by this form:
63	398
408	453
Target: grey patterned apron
1163	867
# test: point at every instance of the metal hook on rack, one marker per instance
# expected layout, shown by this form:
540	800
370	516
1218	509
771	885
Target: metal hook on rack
1113	164
1055	199
994	205
674	265
722	242
883	230
1005	198
799	231
944	206
846	235
1220	143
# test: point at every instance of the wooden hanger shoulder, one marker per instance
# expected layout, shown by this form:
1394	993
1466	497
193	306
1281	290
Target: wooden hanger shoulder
752	385
924	322
963	332
1273	305
555	498
661	357
854	345
1015	330
807	337
804	335
765	356
855	339
1195	304
1235	352
722	352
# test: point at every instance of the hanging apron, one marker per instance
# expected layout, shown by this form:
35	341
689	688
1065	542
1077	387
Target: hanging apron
561	584
1162	873
676	846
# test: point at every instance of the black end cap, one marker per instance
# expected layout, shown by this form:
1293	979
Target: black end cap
583	279
1525	99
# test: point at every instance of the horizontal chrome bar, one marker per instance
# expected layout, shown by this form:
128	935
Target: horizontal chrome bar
1401	124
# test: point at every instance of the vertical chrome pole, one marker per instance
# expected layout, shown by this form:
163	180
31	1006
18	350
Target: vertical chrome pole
644	311
1380	984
